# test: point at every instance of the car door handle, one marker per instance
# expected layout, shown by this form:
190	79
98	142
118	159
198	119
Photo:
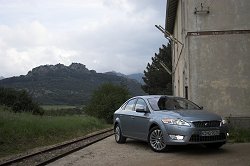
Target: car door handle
132	117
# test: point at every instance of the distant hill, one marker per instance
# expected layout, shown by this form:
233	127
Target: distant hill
136	76
1	77
60	84
116	73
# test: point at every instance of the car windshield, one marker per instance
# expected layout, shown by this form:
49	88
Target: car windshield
171	103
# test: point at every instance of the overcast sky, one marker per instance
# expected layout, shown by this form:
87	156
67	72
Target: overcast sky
104	35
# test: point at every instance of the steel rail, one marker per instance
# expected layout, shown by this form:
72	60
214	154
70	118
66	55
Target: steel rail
60	150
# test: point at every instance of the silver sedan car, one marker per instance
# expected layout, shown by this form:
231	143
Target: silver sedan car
168	120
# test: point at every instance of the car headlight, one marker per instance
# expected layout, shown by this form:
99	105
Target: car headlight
223	122
179	122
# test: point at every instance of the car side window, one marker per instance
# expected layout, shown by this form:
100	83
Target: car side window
123	106
140	104
130	105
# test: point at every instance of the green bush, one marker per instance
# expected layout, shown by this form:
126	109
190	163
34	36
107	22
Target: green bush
19	101
106	100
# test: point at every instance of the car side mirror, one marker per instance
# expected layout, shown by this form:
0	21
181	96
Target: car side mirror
141	109
201	107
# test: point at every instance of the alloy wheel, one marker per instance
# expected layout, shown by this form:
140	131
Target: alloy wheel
156	140
117	133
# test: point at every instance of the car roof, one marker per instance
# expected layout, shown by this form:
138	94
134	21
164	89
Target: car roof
157	96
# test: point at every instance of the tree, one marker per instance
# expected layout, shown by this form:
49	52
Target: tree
157	79
19	101
106	100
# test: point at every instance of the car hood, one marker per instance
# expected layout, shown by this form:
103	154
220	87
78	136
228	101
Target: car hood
190	115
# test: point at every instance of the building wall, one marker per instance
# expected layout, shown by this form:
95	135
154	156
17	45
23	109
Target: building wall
214	66
220	67
223	15
178	63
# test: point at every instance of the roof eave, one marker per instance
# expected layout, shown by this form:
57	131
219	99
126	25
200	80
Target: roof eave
171	11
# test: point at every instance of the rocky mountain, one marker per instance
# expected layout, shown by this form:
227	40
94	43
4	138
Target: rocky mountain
135	76
1	77
60	84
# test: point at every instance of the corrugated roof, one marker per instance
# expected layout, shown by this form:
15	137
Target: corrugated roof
170	15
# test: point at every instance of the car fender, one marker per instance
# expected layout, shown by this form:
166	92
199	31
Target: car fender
153	122
118	121
160	125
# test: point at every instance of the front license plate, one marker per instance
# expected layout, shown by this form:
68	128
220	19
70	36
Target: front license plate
210	133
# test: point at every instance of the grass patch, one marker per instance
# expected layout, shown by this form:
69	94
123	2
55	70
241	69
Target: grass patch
57	107
22	131
239	135
62	110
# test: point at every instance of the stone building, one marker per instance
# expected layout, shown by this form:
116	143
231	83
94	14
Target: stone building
213	66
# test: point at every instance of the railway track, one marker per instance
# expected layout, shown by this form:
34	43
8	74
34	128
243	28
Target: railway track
58	151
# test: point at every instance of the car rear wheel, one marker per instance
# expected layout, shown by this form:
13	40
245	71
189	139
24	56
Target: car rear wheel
119	138
214	145
156	141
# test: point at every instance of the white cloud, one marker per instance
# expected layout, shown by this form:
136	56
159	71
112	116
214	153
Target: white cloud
25	35
26	46
104	35
22	61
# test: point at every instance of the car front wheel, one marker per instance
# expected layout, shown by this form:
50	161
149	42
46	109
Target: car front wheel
155	140
119	138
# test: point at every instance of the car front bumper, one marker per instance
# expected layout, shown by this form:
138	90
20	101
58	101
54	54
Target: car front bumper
182	135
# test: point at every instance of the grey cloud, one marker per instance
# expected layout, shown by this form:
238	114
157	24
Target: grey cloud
109	38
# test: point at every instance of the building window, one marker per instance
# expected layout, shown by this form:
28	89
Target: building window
186	92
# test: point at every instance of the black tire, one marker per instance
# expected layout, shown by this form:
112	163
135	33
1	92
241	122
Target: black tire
214	145
119	138
156	140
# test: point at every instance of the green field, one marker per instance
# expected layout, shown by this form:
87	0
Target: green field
62	110
58	107
22	131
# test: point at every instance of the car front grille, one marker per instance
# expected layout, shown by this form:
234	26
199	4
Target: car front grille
198	138
204	124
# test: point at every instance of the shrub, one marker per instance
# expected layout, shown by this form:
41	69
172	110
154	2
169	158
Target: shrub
106	100
19	101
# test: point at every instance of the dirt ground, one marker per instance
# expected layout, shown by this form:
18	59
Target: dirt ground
108	153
